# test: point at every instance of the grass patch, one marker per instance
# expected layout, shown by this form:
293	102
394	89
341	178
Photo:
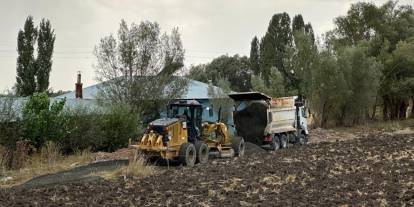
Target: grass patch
49	160
137	167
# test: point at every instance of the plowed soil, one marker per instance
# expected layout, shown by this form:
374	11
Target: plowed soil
375	170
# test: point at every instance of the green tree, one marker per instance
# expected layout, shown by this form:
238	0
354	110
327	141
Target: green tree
274	88
198	72
310	32
43	121
362	74
137	68
298	24
45	45
397	85
384	27
327	87
344	86
26	70
235	69
299	62
254	56
273	45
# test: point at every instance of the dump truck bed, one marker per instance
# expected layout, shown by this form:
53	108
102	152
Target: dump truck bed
281	115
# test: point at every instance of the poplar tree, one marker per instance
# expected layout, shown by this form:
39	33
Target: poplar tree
26	70
254	56
45	45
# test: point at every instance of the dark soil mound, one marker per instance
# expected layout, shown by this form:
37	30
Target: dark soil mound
251	121
75	174
253	149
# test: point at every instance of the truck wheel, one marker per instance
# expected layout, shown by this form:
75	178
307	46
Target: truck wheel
283	141
202	152
306	139
187	154
275	144
301	139
238	146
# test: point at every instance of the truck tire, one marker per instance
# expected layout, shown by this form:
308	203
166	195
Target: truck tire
238	146
306	138
301	139
187	154
202	152
275	143
283	141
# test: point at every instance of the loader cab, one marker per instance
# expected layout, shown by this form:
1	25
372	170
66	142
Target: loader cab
190	112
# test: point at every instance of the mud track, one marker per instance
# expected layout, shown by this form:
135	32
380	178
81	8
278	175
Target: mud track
374	170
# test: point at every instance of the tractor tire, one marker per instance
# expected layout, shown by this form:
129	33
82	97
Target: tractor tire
283	141
187	154
202	152
275	144
238	146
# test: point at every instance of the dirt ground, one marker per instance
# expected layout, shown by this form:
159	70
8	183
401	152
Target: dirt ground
376	169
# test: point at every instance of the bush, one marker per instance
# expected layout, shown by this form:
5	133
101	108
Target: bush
42	121
82	130
119	125
10	133
99	130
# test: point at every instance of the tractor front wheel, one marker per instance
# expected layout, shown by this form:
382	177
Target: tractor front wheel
188	154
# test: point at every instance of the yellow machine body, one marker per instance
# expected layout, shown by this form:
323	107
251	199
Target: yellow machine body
215	135
164	137
152	143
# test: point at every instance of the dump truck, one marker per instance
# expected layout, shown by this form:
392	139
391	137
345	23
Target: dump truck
185	137
272	123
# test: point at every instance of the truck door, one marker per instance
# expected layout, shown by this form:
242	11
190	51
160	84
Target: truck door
302	120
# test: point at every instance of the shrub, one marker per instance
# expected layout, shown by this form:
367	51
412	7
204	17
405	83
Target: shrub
82	130
43	121
10	132
106	130
119	125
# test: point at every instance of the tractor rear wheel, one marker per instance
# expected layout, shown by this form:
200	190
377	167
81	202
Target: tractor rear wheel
187	154
238	146
283	141
202	152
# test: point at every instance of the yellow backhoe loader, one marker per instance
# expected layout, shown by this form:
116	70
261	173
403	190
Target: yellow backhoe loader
185	137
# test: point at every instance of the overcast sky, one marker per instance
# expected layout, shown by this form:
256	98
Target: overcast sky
208	28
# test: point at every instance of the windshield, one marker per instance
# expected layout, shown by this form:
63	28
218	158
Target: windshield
176	111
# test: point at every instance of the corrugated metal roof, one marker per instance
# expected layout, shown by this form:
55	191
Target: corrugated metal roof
196	90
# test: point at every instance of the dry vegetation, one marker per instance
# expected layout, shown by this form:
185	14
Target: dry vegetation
48	160
137	167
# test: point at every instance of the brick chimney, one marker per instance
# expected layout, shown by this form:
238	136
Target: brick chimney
78	86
